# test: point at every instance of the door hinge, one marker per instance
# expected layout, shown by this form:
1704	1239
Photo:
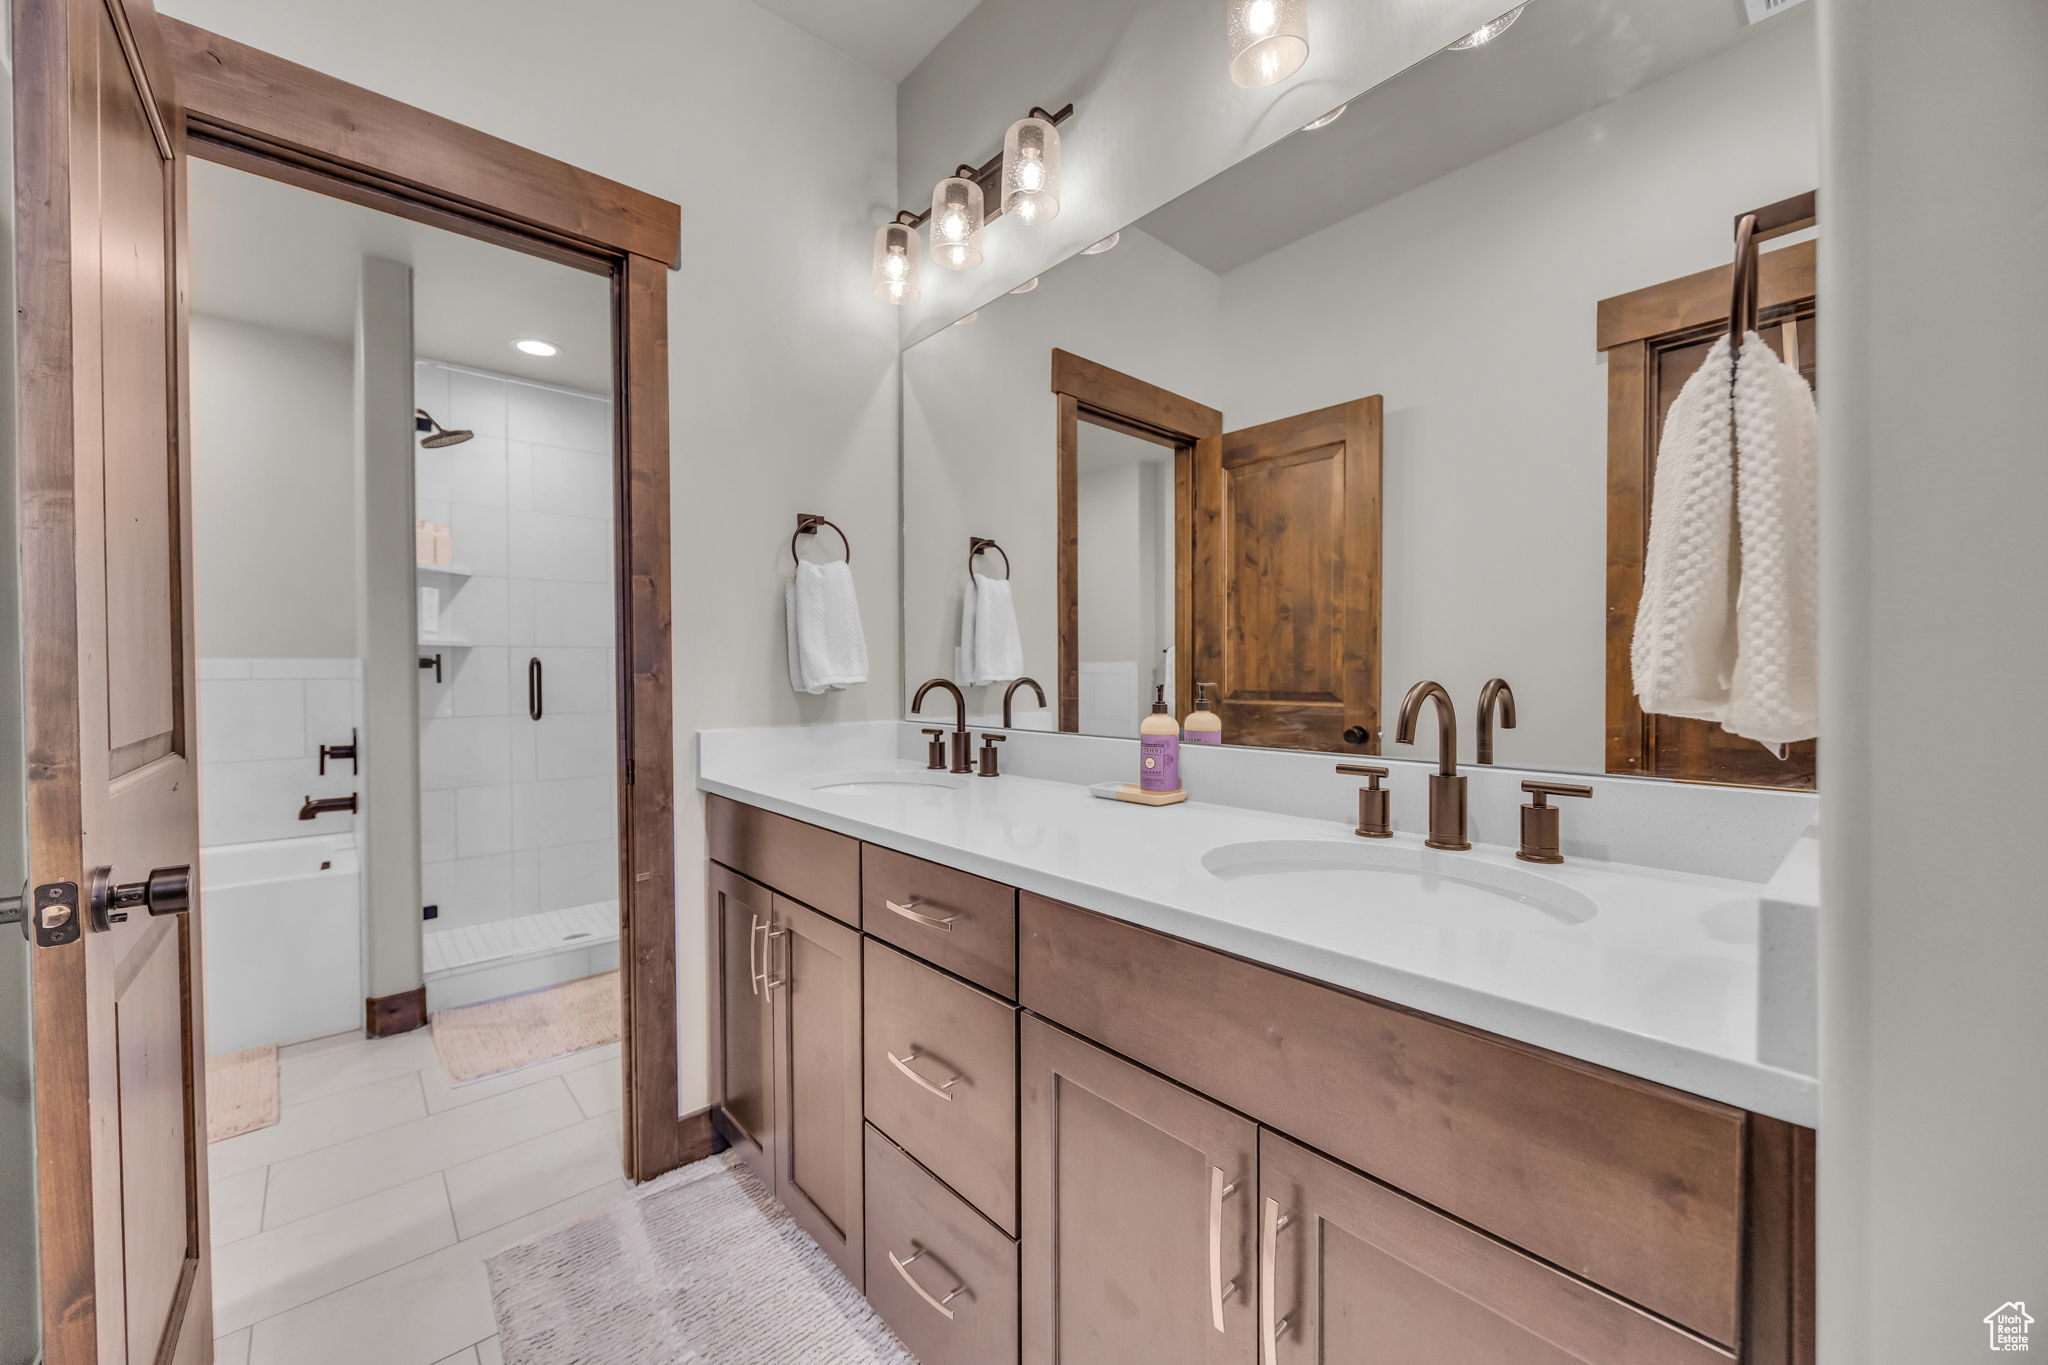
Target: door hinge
49	919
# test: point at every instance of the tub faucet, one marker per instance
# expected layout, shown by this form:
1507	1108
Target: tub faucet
961	740
1446	787
326	804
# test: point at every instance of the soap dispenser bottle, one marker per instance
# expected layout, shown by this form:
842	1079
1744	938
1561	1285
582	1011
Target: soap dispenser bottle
1202	726
1159	748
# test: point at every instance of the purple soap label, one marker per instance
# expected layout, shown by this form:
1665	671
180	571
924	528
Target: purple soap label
1203	737
1159	759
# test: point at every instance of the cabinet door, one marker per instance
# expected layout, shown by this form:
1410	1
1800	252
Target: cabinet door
1352	1272
814	984
744	913
1138	1201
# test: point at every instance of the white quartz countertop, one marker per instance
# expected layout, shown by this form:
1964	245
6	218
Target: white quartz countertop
1660	980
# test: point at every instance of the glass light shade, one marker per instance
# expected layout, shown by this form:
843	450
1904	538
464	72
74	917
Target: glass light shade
1486	33
1326	120
956	223
1031	170
1268	40
895	273
1105	244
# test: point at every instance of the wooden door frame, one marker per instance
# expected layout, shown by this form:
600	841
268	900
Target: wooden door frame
1632	329
1110	398
256	112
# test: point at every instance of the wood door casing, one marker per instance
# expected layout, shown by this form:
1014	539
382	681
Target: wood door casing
1654	340
814	967
1119	1177
741	913
1286	581
107	638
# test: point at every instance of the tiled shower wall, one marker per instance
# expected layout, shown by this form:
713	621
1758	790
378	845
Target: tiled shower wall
262	722
518	816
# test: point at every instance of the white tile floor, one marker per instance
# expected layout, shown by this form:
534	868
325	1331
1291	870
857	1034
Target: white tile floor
356	1228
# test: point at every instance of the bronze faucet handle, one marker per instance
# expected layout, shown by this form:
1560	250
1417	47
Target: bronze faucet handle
990	766
1541	820
1374	817
935	751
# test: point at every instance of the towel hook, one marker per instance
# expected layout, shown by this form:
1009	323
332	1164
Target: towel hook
807	524
1752	230
976	544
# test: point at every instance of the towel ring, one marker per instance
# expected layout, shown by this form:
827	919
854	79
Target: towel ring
807	524
976	544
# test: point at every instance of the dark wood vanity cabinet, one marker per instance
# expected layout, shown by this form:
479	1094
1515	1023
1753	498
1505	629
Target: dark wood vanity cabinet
741	911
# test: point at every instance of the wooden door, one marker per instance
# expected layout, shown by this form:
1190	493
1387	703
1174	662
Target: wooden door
815	983
106	583
1138	1204
1352	1272
1286	585
744	915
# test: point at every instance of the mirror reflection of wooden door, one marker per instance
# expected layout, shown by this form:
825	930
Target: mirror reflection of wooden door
1286	580
106	586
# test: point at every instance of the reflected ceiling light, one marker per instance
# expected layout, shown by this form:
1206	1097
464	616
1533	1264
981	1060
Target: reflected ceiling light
1326	120
895	268
1486	33
1268	40
971	317
1027	286
1105	244
535	346
1031	169
956	221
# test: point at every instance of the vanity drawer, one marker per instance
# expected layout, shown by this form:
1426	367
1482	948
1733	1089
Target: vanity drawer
923	1028
1632	1185
909	1212
964	923
805	863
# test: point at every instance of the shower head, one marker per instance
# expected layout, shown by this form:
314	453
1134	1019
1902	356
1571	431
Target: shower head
439	435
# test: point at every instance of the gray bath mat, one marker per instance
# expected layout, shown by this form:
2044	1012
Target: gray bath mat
700	1266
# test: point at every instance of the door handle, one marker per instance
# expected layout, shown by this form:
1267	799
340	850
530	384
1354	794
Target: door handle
770	982
1270	1332
535	688
1218	1290
166	891
902	1064
903	1264
754	954
915	916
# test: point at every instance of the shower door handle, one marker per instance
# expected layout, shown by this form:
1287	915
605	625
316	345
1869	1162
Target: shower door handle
535	688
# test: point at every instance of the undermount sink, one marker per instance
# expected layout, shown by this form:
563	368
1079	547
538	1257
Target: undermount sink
882	781
1400	878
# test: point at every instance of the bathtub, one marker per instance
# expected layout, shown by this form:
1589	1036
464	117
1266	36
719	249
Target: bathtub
282	929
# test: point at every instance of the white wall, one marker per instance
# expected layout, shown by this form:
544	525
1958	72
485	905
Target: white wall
783	366
263	721
274	498
1155	111
1934	493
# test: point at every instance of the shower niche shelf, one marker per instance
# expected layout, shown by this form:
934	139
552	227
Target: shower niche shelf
444	642
445	570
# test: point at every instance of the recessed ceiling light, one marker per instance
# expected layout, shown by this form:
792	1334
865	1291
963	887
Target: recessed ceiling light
1326	120
535	346
1486	33
1105	244
1027	286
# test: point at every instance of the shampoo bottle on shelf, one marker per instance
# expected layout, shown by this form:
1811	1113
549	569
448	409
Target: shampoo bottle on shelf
422	541
1159	748
444	546
1202	726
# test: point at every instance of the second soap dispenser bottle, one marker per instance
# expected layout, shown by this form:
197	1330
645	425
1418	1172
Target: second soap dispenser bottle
1159	748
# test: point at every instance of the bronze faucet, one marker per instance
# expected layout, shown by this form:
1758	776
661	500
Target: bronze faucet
1446	788
1011	691
1495	693
326	804
961	739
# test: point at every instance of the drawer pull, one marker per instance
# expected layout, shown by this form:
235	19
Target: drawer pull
902	1064
903	1264
916	916
1270	1332
1219	1292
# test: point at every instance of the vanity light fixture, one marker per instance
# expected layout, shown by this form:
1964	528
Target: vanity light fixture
1486	33
1326	120
1027	286
1268	40
1105	244
1031	169
535	346
896	252
956	221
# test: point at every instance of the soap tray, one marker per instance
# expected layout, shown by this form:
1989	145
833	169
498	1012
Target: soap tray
1137	795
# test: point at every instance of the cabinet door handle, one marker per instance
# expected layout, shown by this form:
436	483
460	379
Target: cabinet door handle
536	685
1218	1290
1270	1332
916	916
770	982
903	1264
902	1064
754	972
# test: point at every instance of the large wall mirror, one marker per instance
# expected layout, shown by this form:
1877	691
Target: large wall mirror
1378	404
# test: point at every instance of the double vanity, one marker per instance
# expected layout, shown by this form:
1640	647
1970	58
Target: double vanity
1062	1079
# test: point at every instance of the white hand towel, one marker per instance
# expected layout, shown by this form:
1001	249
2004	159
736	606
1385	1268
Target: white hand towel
998	646
1775	695
1683	655
827	646
963	657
